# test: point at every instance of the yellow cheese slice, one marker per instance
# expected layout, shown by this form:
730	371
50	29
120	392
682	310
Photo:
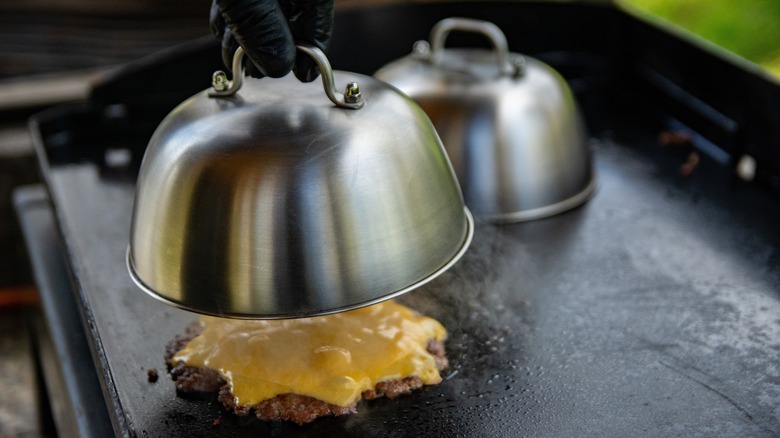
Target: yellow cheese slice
333	358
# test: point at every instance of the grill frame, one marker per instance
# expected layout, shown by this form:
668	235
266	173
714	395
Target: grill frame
633	79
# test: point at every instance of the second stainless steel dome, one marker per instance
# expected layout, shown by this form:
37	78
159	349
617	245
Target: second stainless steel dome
509	122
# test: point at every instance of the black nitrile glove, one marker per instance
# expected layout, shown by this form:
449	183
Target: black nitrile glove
268	30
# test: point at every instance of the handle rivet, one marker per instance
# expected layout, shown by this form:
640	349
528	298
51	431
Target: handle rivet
421	49
352	93
518	64
219	80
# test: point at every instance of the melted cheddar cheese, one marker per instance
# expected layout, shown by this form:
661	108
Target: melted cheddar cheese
333	358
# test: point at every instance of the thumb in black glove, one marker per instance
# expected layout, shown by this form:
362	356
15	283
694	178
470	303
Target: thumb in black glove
268	30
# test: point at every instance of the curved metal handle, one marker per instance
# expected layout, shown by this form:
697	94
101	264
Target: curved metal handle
221	86
443	28
352	99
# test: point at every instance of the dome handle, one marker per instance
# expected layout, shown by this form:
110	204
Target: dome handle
442	29
351	99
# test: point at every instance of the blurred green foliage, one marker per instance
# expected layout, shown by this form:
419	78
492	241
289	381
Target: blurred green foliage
749	28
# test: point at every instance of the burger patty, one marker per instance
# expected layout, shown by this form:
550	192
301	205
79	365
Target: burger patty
300	409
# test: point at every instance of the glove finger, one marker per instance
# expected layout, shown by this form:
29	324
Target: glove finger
222	33
229	47
305	69
251	69
260	27
311	22
216	21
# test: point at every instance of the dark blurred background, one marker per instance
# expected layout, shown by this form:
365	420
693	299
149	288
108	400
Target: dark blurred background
50	51
44	37
750	28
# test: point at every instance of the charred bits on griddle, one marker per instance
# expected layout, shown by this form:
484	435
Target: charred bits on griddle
683	141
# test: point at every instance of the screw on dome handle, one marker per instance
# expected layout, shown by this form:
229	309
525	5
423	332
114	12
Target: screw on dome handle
351	99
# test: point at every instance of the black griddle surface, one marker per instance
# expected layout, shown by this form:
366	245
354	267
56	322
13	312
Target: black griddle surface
652	310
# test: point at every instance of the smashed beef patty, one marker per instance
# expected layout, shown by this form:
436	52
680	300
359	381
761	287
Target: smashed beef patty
293	407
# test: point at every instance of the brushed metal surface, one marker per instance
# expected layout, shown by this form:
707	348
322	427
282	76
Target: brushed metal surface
274	203
516	140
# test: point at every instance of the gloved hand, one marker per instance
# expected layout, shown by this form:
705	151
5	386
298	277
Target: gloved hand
268	30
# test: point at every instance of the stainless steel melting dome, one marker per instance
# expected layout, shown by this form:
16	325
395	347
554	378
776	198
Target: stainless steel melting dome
509	122
274	202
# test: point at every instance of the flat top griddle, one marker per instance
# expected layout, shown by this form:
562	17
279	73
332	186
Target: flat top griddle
653	309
